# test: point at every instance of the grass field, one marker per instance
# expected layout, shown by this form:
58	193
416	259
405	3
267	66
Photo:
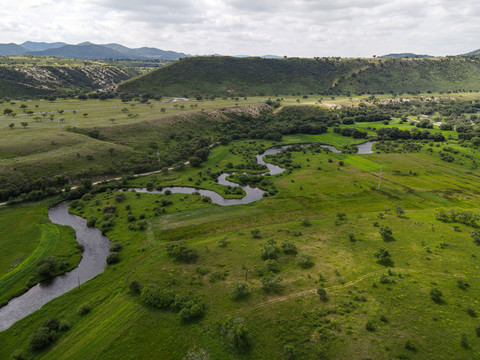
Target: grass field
327	204
372	310
27	236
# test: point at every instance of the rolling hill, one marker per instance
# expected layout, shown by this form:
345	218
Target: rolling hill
228	76
88	50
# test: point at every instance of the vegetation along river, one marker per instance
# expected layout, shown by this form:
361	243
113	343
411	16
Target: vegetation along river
96	246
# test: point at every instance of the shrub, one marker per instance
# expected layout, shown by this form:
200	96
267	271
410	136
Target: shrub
217	276
386	232
91	221
269	250
304	260
64	326
119	197
131	218
41	338
370	326
51	324
46	268
18	355
271	283
409	345
289	247
116	246
383	256
462	284
239	290
154	296
192	310
272	265
113	258
436	295
477	330
84	309
322	293
255	233
235	333
222	242
181	252
306	222
135	287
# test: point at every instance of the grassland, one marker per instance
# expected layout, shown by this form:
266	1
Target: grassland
404	322
27	238
371	310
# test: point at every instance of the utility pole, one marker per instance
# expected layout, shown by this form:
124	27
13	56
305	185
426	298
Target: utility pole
380	177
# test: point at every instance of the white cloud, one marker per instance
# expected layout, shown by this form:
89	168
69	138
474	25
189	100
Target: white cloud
283	27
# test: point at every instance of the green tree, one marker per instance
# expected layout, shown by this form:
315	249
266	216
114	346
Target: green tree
386	232
11	125
24	124
322	293
383	256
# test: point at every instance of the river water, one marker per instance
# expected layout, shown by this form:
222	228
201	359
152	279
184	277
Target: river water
96	246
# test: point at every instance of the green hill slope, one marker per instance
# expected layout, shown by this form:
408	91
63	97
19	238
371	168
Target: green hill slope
238	76
223	76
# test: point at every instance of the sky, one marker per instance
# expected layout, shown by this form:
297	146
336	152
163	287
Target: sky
303	28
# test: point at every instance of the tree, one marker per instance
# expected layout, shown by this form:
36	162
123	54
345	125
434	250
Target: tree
476	236
85	115
235	332
399	210
7	111
195	161
383	256
24	124
386	232
11	126
322	293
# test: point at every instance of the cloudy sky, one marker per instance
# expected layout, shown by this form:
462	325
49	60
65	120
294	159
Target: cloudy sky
305	28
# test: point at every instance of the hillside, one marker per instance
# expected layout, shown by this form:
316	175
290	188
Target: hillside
39	80
222	76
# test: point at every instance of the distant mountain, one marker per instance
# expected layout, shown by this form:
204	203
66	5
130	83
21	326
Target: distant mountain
405	55
146	52
12	49
472	53
81	51
40	46
88	50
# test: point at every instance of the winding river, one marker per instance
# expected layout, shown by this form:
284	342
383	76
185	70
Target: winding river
96	246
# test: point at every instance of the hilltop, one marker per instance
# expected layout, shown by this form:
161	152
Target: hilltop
88	50
225	76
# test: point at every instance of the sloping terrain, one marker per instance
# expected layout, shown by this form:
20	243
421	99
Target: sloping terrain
41	80
228	76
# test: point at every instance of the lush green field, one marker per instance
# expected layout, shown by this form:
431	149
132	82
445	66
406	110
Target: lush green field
27	237
372	310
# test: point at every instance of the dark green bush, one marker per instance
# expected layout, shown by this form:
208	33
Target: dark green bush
113	258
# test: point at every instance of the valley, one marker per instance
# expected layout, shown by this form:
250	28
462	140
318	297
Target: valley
325	259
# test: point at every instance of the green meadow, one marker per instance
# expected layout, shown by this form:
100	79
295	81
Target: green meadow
327	265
